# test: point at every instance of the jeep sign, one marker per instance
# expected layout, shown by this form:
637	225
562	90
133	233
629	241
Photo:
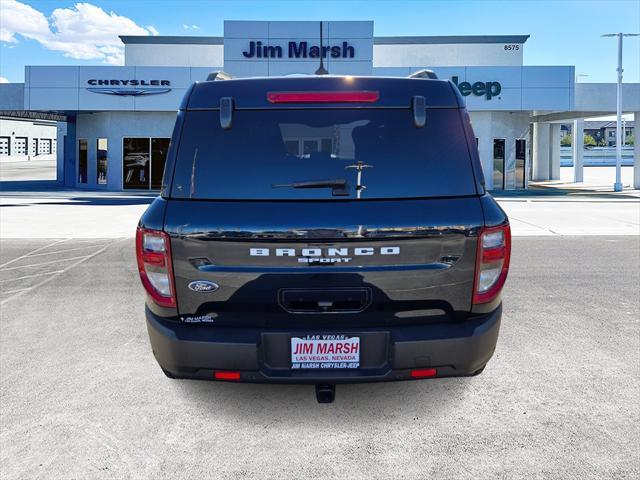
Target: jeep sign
479	89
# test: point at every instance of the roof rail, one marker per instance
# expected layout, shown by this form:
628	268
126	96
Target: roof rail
219	75
424	73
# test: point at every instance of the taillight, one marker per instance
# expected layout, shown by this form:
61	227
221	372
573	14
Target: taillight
153	251
492	263
362	96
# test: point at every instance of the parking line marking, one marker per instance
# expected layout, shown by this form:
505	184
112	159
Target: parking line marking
34	251
42	263
13	291
31	276
51	277
68	250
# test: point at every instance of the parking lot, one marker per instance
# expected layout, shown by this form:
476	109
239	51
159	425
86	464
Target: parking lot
82	396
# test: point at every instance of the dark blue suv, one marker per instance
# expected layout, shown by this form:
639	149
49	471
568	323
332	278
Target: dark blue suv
323	230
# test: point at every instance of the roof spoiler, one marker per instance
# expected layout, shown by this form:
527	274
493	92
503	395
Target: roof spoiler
219	75
424	73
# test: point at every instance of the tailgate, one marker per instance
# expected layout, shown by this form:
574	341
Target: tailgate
353	263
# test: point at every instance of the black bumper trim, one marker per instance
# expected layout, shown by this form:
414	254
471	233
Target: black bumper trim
196	351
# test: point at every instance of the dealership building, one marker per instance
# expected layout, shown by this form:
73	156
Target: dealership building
118	119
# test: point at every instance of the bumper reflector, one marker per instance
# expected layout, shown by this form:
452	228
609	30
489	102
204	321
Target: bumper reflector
424	373
227	375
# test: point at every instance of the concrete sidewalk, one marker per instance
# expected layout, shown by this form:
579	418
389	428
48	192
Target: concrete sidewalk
86	214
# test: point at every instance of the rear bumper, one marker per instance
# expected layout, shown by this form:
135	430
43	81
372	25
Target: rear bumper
194	351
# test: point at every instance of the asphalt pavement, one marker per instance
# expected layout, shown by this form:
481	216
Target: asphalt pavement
82	397
37	168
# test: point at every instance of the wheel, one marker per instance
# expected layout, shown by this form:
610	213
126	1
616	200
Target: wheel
477	372
168	373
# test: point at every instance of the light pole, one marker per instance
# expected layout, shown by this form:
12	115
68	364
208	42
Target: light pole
617	187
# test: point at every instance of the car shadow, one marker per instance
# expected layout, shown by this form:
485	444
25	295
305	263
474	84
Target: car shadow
366	402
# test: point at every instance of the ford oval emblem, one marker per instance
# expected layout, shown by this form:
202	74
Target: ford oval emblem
203	286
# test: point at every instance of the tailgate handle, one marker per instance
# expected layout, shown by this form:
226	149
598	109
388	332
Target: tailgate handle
419	105
226	112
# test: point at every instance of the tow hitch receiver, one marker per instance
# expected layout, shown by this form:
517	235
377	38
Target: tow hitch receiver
325	392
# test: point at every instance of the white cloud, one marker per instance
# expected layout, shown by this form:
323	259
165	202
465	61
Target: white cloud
190	27
85	32
4	80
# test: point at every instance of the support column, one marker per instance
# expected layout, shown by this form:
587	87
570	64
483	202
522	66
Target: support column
61	134
554	152
577	149
540	163
485	149
636	151
70	179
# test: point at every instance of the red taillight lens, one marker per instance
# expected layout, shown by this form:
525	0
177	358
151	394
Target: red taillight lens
153	251
492	263
227	375
324	97
424	373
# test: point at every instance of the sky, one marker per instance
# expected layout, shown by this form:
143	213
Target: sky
563	32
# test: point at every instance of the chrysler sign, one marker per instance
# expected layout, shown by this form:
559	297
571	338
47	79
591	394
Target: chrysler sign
131	87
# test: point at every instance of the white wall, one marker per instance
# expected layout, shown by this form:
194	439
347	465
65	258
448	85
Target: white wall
239	34
67	88
172	55
115	126
31	129
446	55
601	97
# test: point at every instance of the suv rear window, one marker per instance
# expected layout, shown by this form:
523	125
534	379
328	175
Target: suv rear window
267	153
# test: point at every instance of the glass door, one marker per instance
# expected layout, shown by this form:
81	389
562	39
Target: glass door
159	148
135	167
521	159
83	163
498	163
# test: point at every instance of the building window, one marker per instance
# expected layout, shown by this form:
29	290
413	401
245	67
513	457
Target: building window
20	146
4	146
44	146
305	147
101	161
82	161
143	162
612	133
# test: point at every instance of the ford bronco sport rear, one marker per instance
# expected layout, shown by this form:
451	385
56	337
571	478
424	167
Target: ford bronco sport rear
323	230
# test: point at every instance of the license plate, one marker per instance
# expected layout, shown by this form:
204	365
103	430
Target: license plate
325	351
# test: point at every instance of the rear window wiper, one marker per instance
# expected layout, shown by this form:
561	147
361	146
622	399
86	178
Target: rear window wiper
339	186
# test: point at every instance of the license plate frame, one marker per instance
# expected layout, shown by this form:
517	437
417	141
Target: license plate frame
325	352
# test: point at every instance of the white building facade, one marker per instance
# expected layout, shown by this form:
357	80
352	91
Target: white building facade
120	119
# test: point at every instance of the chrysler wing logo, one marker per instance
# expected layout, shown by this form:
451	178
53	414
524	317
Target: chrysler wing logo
128	88
130	92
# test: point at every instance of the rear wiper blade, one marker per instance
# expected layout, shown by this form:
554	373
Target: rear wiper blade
339	186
